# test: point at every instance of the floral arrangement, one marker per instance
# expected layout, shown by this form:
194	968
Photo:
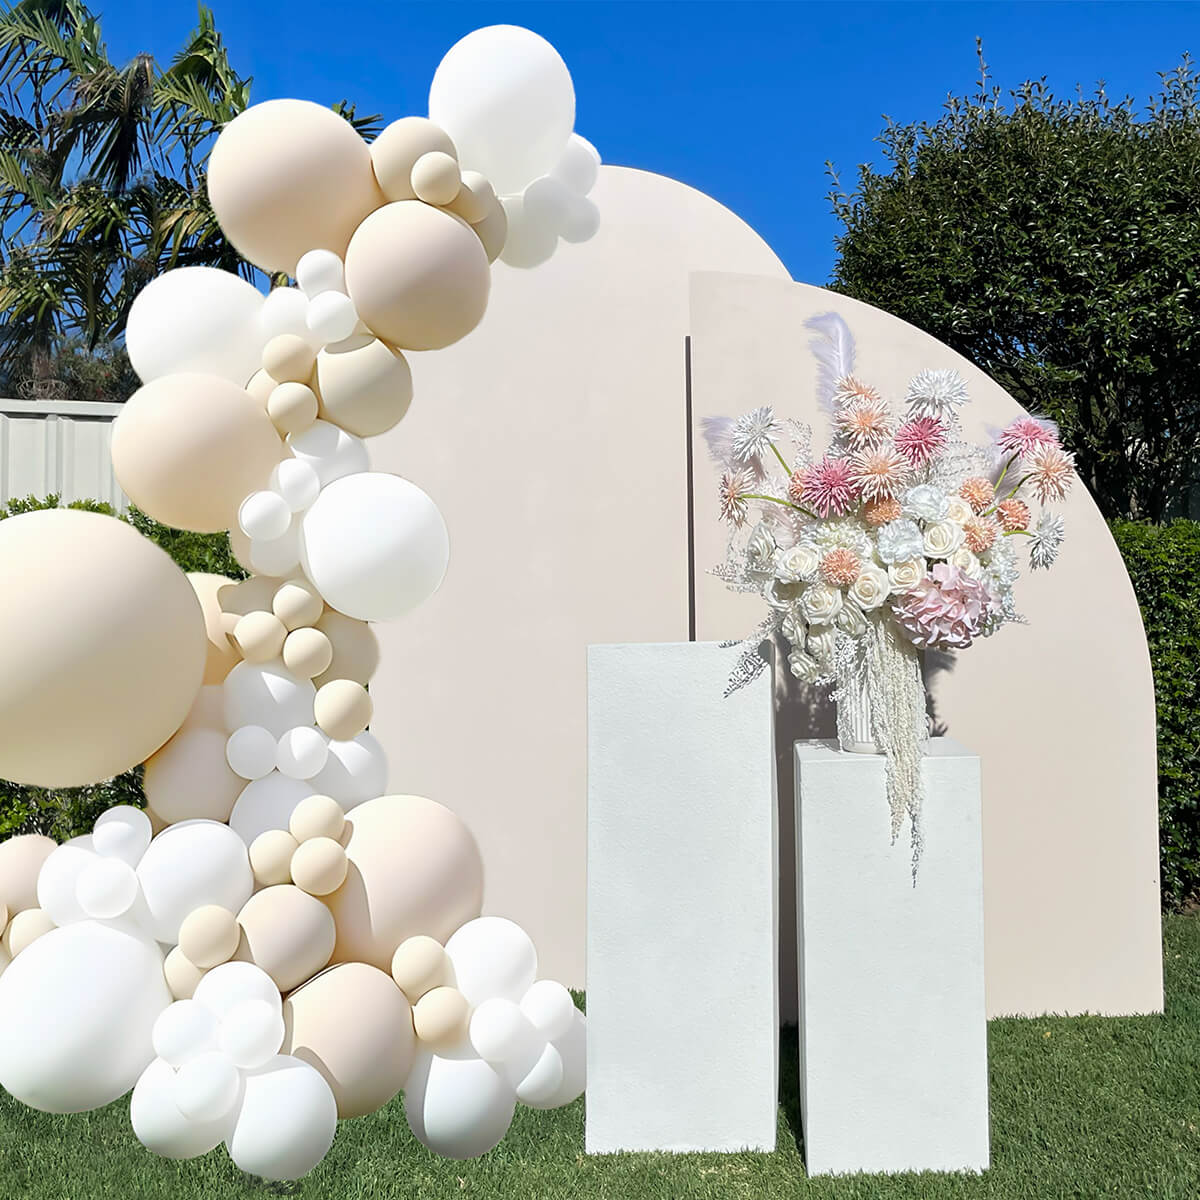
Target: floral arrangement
899	538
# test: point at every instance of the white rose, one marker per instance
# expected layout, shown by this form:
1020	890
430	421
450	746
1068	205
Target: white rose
820	603
795	628
871	588
942	538
797	562
898	541
925	502
803	667
781	595
966	562
851	621
959	510
906	575
822	641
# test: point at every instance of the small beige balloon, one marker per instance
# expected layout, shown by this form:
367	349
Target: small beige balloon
396	150
319	866
343	709
25	929
297	603
435	177
286	932
222	654
492	231
271	857
259	636
292	407
307	653
440	1018
4	915
182	975
317	817
21	860
288	358
355	648
261	385
366	386
475	198
419	965
209	936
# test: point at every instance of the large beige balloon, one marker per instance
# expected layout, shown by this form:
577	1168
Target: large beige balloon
365	385
286	932
190	777
188	449
289	176
21	859
418	276
222	654
355	1026
103	649
396	150
355	648
414	868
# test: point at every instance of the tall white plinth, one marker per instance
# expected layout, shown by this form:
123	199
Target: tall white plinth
893	1033
682	974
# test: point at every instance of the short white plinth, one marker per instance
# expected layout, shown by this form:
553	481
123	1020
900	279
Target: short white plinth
893	1033
682	976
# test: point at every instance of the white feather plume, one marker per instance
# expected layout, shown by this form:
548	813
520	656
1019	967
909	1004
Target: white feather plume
834	350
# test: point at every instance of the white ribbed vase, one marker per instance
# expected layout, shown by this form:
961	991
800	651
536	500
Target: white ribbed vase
854	720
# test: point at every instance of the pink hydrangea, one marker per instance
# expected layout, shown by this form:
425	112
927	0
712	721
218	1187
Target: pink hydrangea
947	610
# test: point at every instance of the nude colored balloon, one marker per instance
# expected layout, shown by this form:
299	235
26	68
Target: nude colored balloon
414	868
366	386
307	652
419	965
190	777
286	932
440	1018
319	866
354	1025
209	935
271	856
188	449
290	176
297	604
355	648
222	655
21	859
492	230
182	975
396	150
436	178
317	817
418	276
104	648
248	595
26	927
343	709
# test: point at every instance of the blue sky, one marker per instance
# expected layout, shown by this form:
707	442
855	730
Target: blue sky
743	100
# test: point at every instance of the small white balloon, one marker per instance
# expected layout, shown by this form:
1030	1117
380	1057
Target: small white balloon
267	803
59	876
250	751
582	220
106	888
267	694
285	310
572	1048
274	557
579	166
332	317
492	957
330	451
296	482
320	271
527	242
547	202
549	1006
500	1031
302	752
183	1031
355	772
225	987
161	1127
122	832
206	1087
251	1033
543	1080
264	515
457	1107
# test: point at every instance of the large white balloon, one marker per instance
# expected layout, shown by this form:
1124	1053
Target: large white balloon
161	1127
267	803
330	451
77	1013
504	95
267	695
354	772
287	1120
374	545
458	1107
231	984
493	957
196	319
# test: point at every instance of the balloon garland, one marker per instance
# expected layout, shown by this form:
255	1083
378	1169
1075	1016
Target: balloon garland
277	943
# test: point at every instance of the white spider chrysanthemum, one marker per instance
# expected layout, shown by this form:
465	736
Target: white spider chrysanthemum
753	433
937	394
1048	536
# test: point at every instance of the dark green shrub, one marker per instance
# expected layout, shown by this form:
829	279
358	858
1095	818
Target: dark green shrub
1164	563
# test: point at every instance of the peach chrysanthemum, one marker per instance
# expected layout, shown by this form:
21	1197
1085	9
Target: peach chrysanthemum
849	390
977	492
1013	514
1051	470
879	512
733	489
863	423
879	472
979	534
795	487
841	567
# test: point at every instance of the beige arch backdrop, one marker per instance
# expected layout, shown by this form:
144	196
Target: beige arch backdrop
560	460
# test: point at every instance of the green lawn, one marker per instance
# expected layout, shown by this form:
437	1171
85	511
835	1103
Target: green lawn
1081	1107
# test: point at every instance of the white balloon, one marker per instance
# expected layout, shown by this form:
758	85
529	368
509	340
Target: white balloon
355	772
582	220
106	888
287	1120
196	319
296	482
189	864
547	202
59	877
505	97
528	242
332	317
274	557
579	166
302	752
161	1127
285	310
231	984
251	1033
266	803
122	832
320	271
457	1107
264	515
330	451
267	694
374	545
184	1030
542	1082
206	1087
250	751
549	1006
77	1008
500	1032
492	957
572	1048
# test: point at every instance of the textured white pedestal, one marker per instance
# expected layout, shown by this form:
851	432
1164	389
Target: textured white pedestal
893	1034
682	973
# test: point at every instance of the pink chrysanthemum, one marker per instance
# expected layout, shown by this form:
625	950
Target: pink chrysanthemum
1051	470
1013	514
863	423
879	472
947	610
880	512
980	534
849	390
841	567
829	487
977	492
920	439
733	488
1025	435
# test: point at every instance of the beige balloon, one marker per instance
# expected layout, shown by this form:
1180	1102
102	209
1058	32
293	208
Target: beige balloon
440	1018
25	928
355	648
476	198
414	868
239	545
418	276
353	1024
182	975
288	358
188	449
222	655
104	648
435	177
249	595
271	857
292	407
286	932
297	603
366	387
190	777
21	860
317	817
319	866
307	653
259	636
289	176
261	385
419	965
343	709
396	150
492	231
207	711
209	936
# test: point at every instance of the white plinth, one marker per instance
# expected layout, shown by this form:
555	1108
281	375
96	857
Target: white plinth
893	1034
682	983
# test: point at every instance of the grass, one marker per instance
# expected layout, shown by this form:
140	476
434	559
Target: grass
1081	1107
